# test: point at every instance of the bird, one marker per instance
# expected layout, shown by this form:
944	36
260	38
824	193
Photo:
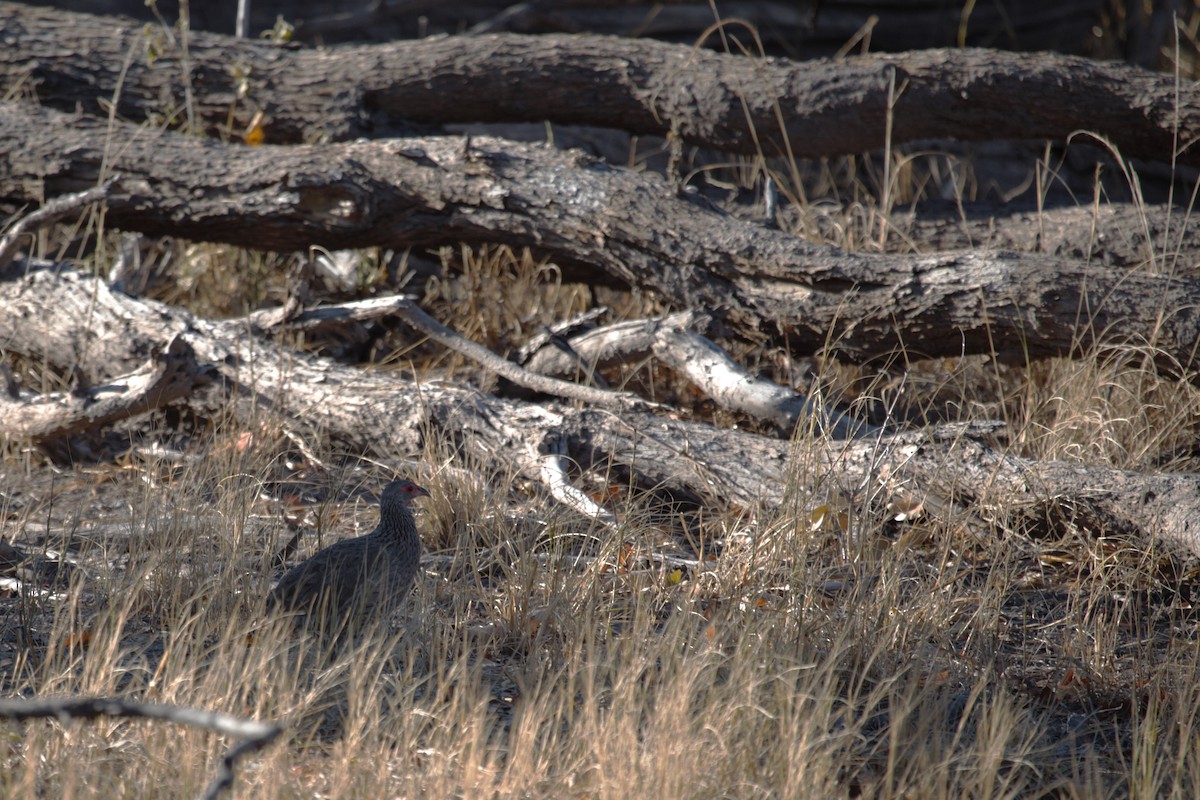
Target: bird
341	589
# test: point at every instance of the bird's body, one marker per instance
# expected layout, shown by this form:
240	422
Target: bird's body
347	585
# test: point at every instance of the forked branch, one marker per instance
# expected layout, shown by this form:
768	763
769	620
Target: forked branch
254	735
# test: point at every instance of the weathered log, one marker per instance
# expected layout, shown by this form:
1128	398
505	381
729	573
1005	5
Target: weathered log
1159	236
170	375
377	412
767	285
776	106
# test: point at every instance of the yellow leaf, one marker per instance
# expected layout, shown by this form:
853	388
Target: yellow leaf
824	517
816	517
255	135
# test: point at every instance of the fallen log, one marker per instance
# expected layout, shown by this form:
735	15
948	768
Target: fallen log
1160	237
814	28
771	106
596	220
381	413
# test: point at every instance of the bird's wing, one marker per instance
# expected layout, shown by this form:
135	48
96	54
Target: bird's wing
329	576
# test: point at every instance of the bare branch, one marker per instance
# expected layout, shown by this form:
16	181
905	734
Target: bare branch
255	735
710	368
411	313
554	475
702	362
168	376
48	214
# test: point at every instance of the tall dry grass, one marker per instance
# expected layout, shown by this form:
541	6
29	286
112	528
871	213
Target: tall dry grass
544	656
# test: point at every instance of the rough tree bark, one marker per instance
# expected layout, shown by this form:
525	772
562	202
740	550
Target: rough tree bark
765	284
1117	235
381	413
826	107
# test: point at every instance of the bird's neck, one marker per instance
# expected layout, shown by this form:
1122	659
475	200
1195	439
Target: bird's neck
396	522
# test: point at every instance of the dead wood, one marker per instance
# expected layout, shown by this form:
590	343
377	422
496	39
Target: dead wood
744	105
789	25
1112	234
596	220
673	341
378	412
254	735
580	353
168	376
411	313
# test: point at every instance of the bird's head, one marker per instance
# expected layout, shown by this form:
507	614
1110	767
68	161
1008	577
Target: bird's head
404	491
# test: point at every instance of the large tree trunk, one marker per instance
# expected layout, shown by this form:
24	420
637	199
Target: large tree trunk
744	105
379	412
765	284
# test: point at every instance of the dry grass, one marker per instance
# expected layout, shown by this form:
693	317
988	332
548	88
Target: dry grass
543	656
755	675
745	655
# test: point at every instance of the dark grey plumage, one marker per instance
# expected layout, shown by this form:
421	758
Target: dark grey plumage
345	586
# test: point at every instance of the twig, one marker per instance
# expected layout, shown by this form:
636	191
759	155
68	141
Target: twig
48	214
410	312
554	475
255	735
413	315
